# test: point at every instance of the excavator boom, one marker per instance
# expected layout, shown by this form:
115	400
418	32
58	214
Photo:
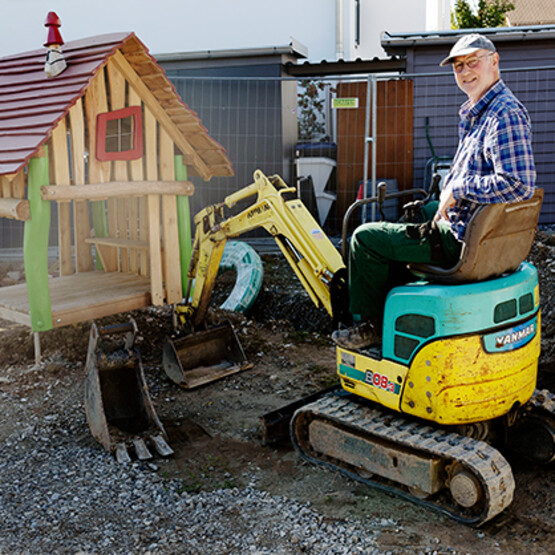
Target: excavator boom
207	355
302	241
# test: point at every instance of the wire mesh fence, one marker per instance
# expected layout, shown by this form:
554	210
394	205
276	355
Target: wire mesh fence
324	146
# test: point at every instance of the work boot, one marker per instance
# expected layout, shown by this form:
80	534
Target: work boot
356	337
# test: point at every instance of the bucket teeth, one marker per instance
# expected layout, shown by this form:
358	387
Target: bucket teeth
122	455
143	454
161	446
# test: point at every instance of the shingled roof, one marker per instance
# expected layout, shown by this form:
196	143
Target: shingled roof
531	12
31	104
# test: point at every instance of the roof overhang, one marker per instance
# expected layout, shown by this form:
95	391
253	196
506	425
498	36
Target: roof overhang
398	43
294	49
341	67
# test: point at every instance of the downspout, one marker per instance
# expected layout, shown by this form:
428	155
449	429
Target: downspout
339	54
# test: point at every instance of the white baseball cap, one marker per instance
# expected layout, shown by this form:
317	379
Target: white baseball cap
467	45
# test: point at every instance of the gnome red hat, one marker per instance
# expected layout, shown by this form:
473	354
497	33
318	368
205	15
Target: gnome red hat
55	62
53	23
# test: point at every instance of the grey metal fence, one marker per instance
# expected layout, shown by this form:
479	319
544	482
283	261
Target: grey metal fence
395	131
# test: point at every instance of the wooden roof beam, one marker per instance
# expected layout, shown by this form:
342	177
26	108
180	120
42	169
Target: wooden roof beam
151	101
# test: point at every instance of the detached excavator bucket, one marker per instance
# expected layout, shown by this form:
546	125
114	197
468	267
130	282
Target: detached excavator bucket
117	403
205	356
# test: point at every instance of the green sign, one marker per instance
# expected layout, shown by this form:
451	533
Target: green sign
344	103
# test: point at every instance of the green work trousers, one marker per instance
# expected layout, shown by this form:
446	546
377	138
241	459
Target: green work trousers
378	261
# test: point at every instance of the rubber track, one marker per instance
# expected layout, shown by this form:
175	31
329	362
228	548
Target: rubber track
488	465
543	401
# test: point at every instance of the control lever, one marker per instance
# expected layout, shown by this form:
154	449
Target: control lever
411	209
382	192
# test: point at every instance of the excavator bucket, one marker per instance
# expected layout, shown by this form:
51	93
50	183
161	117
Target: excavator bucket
117	402
203	357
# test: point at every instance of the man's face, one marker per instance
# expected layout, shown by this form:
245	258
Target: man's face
476	73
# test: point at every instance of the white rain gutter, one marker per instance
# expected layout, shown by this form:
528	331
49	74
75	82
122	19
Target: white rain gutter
339	54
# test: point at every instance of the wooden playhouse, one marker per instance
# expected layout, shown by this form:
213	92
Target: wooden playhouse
112	144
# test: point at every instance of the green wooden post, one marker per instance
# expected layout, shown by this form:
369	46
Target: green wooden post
183	224
35	246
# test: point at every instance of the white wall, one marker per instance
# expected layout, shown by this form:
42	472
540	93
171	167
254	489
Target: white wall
175	25
190	25
379	16
438	14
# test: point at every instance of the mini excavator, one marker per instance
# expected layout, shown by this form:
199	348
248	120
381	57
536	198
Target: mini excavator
426	413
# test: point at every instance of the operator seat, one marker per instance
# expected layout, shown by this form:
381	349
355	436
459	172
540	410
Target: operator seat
498	238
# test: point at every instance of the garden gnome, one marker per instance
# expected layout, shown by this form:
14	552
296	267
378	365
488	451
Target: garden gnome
55	62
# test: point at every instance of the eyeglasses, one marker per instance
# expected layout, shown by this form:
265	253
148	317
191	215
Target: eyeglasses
471	63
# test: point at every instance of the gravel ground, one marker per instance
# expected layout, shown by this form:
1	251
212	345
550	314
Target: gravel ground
61	493
58	495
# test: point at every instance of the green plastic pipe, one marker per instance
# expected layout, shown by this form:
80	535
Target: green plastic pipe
183	224
35	246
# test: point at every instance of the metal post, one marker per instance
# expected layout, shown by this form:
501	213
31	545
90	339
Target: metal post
298	177
371	88
374	141
36	342
367	139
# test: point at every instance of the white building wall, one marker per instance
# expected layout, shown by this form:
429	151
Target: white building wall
438	14
376	17
193	25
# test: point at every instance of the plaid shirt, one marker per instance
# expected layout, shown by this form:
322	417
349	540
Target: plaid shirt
494	161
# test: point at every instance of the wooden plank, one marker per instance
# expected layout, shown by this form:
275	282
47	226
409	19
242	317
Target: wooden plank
133	232
118	242
104	252
150	100
81	222
107	293
15	316
171	263
116	189
138	261
153	210
100	286
119	206
156	280
143	234
15	209
96	102
6	187
151	145
18	185
100	310
15	297
62	179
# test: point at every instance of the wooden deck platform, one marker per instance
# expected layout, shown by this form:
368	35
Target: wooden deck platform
80	297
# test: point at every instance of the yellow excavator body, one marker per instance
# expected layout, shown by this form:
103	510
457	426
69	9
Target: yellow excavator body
416	415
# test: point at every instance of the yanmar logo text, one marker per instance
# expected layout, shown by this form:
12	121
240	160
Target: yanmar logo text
515	336
511	338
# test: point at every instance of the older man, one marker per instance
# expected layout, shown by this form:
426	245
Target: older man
493	163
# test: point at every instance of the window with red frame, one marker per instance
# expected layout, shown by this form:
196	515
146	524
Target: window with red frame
119	134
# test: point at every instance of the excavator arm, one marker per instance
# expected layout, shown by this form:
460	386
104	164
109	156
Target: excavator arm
311	254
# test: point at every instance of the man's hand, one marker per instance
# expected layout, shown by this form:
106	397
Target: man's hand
446	201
